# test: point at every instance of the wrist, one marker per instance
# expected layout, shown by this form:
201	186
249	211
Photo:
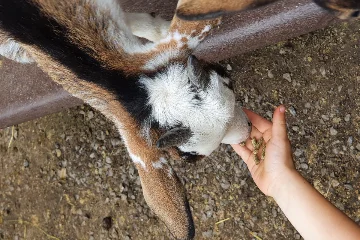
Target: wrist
282	183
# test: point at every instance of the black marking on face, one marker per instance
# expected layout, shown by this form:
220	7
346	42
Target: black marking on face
25	22
190	157
197	73
201	72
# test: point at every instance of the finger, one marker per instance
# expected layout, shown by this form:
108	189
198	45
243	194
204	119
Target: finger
260	123
279	123
245	154
243	151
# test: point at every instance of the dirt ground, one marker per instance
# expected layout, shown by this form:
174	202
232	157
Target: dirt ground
67	176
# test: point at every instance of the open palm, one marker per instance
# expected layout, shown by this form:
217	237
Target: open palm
278	156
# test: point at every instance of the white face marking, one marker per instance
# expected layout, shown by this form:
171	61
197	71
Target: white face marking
137	160
162	163
14	51
209	113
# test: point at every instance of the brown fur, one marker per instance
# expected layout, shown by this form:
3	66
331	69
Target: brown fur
343	9
205	9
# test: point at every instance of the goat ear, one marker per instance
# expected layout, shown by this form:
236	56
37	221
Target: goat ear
204	9
174	137
196	72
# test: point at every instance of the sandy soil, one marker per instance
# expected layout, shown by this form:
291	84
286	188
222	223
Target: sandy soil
67	176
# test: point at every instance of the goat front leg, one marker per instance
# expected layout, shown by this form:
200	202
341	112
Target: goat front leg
178	44
208	9
144	25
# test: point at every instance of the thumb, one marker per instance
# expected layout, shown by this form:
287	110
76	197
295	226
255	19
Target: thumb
279	124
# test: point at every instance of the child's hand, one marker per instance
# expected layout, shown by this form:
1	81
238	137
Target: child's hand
271	172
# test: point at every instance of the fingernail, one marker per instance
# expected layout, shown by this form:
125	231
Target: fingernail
282	109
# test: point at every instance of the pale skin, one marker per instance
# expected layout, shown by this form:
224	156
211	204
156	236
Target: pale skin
309	212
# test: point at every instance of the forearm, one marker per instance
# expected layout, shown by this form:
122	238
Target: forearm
310	213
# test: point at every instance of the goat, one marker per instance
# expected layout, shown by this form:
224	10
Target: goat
164	102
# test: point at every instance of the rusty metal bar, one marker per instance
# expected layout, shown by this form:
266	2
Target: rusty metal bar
27	93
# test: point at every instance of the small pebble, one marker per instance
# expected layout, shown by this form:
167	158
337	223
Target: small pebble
358	146
274	212
270	74
108	160
295	128
115	142
325	117
304	166
347	118
107	223
323	71
287	77
297	236
207	234
336	120
58	153
348	187
225	185
333	131
350	140
110	172
292	110
298	152
90	115
228	67
62	173
308	105
26	164
335	183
